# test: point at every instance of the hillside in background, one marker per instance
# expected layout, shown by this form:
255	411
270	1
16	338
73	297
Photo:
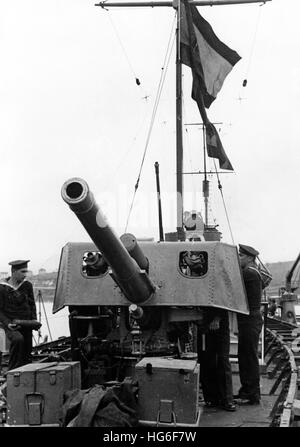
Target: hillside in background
45	282
279	271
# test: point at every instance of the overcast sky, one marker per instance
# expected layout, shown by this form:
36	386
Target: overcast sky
70	107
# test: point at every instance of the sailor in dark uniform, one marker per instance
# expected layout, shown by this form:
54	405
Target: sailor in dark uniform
17	303
249	327
213	345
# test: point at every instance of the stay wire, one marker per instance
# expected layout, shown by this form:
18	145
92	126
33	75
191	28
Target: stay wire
254	40
245	81
137	81
156	103
40	297
224	204
131	145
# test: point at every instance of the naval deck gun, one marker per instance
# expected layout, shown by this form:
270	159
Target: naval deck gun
134	304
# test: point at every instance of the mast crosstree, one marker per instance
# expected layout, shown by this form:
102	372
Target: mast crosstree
106	4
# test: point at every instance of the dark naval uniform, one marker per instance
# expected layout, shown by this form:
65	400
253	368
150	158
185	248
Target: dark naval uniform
249	328
213	356
17	303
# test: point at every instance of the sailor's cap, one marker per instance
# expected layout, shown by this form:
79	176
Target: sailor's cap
19	264
247	250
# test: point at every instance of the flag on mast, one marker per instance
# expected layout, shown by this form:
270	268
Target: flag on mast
215	148
210	61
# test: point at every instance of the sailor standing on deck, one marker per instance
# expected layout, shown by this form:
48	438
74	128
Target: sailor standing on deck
249	327
213	355
17	303
213	344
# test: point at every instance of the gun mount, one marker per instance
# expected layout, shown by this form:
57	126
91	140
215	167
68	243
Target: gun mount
134	304
134	282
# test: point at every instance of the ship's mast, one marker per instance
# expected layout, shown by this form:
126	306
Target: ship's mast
205	184
179	144
179	140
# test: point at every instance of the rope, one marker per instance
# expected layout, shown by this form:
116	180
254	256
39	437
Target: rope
254	39
45	313
131	145
221	191
252	46
137	81
40	319
158	95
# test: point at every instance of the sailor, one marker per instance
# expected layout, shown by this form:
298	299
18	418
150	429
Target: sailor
249	327
194	222
272	307
213	345
194	263
17	303
194	225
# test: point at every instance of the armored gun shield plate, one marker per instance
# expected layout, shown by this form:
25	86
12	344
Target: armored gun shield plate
219	283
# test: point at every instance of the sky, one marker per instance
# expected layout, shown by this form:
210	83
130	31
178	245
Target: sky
70	107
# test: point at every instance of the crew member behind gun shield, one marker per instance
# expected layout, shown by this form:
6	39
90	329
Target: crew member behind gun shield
18	313
213	346
249	327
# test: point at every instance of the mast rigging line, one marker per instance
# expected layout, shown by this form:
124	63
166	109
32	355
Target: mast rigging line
155	108
124	51
224	204
40	298
253	43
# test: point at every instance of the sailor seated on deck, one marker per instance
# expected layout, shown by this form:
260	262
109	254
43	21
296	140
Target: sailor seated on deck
18	313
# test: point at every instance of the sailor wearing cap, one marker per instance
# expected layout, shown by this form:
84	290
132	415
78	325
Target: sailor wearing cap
17	303
247	250
249	327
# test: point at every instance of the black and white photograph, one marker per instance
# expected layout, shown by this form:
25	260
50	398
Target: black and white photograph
150	250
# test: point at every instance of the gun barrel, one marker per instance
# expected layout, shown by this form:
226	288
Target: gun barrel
136	285
130	243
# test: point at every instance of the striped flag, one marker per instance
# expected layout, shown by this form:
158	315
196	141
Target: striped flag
209	58
211	61
215	148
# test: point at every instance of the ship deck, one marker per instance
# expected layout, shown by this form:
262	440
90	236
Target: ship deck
245	415
279	378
